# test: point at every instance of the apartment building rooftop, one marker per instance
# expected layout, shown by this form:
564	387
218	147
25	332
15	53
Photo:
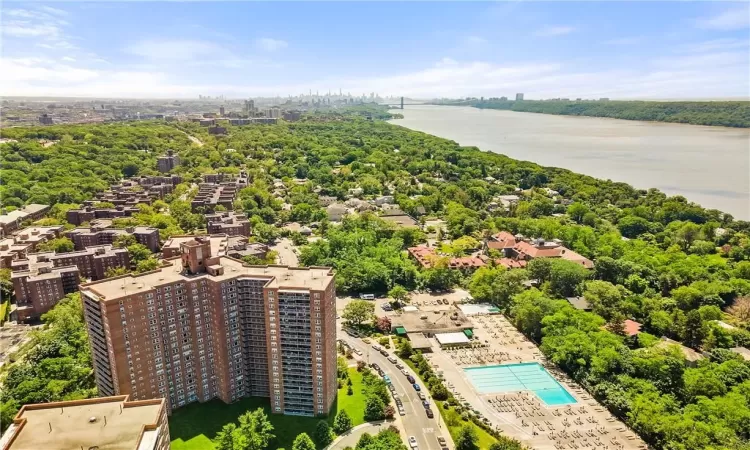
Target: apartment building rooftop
111	423
221	268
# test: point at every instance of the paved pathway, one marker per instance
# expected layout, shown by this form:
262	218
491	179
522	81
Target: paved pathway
350	438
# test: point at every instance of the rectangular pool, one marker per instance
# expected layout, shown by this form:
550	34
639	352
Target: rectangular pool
520	377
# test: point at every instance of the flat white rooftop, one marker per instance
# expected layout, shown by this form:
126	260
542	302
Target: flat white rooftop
452	338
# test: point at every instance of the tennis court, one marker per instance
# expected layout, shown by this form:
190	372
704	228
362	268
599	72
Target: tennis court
519	377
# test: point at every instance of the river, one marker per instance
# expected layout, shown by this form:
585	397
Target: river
707	165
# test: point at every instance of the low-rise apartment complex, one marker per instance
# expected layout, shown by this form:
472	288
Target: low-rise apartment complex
24	242
97	423
93	236
12	221
229	223
204	327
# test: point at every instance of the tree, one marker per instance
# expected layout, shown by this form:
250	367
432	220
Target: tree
467	438
497	285
604	297
358	312
138	253
303	442
374	408
116	272
384	324
389	412
577	211
364	441
59	245
225	438
405	350
741	308
342	423
124	241
566	277
506	443
255	430
147	265
694	329
323	435
439	392
399	294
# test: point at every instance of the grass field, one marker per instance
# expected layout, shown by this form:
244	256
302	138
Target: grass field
4	307
192	427
455	423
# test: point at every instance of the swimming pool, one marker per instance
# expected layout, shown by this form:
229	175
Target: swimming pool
520	377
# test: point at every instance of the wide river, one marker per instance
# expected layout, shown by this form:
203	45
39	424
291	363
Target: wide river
707	165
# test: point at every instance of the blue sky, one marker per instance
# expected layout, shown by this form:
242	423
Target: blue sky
448	49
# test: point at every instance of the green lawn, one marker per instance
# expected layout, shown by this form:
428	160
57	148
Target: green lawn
193	426
353	404
454	422
4	306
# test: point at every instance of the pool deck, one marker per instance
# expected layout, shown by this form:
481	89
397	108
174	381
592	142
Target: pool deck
584	425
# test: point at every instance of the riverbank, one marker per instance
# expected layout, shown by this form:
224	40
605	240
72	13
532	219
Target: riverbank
707	165
733	114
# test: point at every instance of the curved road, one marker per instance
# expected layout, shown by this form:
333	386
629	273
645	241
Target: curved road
415	422
351	438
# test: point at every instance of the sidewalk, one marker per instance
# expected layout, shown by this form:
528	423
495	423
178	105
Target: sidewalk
350	438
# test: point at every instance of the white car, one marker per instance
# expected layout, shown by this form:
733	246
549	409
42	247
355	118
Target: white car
404	371
412	442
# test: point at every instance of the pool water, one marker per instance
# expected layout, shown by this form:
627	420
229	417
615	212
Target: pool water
520	377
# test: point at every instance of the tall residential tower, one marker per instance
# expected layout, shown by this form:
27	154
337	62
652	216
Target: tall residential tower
205	327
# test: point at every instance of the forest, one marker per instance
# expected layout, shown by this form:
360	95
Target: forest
675	267
719	113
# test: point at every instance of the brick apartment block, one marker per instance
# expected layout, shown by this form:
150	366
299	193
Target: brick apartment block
205	327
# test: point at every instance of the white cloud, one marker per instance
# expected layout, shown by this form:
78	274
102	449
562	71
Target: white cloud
68	59
446	62
624	41
26	29
475	40
175	49
53	11
731	19
716	44
551	31
270	44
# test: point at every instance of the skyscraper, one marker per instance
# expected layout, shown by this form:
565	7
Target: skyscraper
205	327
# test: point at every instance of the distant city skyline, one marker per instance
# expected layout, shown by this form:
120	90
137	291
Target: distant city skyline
635	50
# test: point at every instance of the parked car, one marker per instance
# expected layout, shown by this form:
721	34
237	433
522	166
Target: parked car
399	365
442	443
386	307
405	372
376	347
376	367
411	379
392	359
412	442
358	352
367	296
384	352
426	404
429	413
401	412
422	396
417	388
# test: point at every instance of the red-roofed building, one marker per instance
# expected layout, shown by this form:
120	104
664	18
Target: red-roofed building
502	242
426	256
511	263
632	328
529	250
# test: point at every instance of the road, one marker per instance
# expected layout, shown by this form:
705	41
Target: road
287	257
351	438
416	423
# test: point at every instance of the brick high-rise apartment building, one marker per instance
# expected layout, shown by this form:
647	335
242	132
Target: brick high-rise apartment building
205	327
